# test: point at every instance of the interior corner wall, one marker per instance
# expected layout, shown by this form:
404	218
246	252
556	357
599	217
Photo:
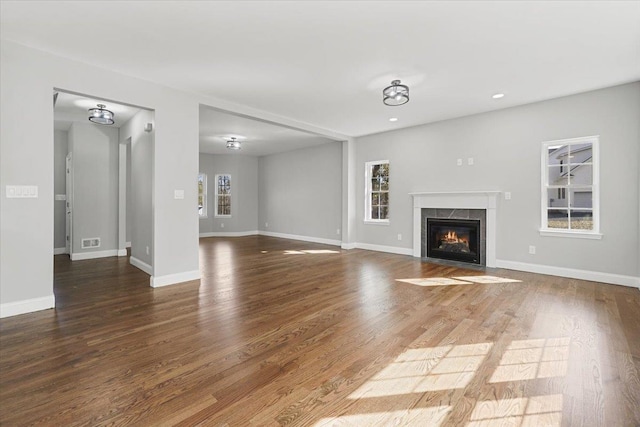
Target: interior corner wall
244	193
28	78
506	147
300	192
95	186
60	149
140	188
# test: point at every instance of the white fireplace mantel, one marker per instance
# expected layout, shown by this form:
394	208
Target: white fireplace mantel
457	200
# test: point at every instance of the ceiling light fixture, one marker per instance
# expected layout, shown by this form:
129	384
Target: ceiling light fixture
396	94
393	119
498	96
232	144
100	115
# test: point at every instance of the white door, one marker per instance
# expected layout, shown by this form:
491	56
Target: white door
69	205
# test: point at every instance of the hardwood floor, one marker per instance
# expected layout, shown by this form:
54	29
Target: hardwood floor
280	332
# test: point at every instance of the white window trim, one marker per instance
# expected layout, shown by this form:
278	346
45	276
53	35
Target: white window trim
367	191
595	189
215	213
204	192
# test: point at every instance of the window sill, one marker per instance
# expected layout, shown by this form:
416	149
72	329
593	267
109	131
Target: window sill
571	234
379	222
223	216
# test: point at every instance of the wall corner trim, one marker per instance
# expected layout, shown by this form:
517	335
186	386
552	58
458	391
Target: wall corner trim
382	248
594	276
302	238
59	251
92	255
122	252
229	233
172	279
27	306
348	246
141	265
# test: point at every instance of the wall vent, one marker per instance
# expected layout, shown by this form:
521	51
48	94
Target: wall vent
93	242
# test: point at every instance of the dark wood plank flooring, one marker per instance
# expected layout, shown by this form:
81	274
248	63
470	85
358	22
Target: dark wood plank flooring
280	332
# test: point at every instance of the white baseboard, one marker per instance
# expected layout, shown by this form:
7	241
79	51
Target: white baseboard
388	249
127	244
172	279
122	252
348	245
594	276
27	306
141	265
59	251
229	233
92	255
302	238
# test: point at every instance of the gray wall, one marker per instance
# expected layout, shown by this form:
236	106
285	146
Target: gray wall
95	185
244	192
129	200
300	192
140	189
60	150
506	147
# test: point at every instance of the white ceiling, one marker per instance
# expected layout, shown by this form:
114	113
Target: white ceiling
326	63
71	108
257	138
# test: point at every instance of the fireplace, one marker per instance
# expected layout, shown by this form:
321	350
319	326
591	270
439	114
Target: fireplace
453	239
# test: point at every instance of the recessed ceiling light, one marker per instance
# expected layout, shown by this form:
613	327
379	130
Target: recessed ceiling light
393	119
498	95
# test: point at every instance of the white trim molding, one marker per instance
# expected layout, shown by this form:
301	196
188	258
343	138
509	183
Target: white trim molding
141	265
388	249
122	252
348	246
27	306
457	200
127	245
303	238
594	276
93	255
229	233
59	251
172	279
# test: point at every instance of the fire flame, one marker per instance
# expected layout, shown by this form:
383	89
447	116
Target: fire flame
452	237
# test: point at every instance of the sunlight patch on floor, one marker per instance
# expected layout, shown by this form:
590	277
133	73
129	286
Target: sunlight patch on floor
426	369
453	281
311	251
535	358
424	417
518	412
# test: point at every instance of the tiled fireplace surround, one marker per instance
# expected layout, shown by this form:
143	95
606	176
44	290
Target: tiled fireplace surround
460	205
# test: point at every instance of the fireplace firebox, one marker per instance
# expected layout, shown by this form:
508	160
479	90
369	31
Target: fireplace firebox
453	239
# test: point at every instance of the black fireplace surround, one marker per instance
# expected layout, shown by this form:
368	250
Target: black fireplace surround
454	239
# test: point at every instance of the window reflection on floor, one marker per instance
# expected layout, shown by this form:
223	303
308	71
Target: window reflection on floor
518	412
536	358
460	280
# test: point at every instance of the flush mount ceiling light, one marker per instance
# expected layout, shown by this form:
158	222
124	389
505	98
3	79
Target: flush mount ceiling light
393	119
396	94
232	144
498	96
100	115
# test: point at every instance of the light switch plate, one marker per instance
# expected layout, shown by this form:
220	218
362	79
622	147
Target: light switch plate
22	191
178	194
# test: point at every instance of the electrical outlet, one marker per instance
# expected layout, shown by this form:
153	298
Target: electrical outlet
147	250
459	162
222	225
338	231
266	225
470	161
532	250
507	195
399	236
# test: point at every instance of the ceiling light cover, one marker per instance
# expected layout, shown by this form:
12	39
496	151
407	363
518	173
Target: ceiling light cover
232	144
498	96
100	115
396	94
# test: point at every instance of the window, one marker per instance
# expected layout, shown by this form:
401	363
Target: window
202	195
377	192
570	188
223	195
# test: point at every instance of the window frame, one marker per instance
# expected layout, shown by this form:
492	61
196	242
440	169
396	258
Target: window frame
368	192
594	140
217	194
204	213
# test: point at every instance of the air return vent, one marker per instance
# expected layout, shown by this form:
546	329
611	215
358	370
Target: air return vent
93	242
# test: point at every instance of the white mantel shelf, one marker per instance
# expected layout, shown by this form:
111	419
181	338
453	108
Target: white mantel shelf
477	199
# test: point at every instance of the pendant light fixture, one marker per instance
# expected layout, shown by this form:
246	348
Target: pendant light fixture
100	115
232	144
396	94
